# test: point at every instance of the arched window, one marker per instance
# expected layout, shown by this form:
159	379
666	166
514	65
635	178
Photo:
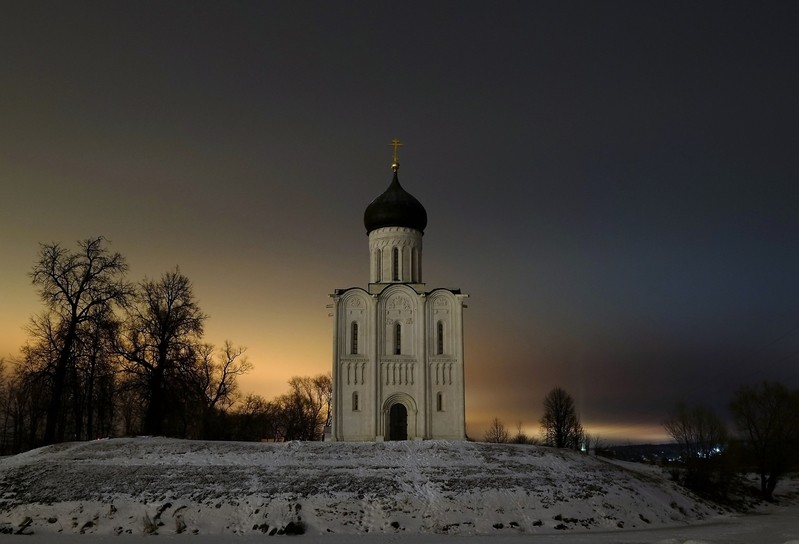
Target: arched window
440	338
440	402
397	339
354	338
355	406
395	263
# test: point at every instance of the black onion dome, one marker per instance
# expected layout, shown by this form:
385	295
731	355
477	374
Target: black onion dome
395	208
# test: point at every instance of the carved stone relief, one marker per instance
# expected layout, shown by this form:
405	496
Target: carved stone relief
399	302
398	373
354	371
443	373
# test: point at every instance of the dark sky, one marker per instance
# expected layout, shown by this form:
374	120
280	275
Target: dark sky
613	183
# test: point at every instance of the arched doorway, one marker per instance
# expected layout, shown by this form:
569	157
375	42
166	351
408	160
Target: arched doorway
399	418
398	422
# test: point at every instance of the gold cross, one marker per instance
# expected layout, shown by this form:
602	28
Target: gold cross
395	143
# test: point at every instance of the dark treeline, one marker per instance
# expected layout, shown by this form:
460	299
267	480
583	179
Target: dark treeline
107	357
766	441
712	458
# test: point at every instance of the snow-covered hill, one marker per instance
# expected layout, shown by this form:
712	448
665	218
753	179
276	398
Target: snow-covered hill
165	486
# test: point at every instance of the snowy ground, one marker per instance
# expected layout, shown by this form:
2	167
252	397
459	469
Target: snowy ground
419	492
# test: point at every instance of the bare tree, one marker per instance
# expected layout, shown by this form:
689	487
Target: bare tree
89	384
255	419
160	336
768	416
96	378
699	432
75	287
702	438
293	417
520	437
316	394
28	394
130	404
560	424
496	433
218	375
6	419
215	380
324	384
303	412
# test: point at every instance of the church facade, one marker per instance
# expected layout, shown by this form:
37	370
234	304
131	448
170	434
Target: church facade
397	346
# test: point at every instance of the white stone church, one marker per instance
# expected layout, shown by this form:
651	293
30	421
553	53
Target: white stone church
397	347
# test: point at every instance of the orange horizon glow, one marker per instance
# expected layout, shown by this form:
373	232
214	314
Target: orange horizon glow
298	342
271	380
287	332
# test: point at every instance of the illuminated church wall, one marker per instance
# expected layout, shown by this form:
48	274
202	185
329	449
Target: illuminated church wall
397	348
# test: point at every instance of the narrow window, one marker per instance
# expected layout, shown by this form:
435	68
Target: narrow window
354	338
397	339
355	407
440	402
440	338
395	263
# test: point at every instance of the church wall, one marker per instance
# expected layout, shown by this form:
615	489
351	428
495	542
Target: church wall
381	245
444	317
402	375
354	372
426	375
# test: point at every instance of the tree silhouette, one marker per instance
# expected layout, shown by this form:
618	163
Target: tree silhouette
698	431
161	336
214	382
497	432
768	416
76	287
560	425
702	438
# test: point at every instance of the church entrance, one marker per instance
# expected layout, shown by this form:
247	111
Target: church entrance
398	422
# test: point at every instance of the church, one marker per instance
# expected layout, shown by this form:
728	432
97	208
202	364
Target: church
397	346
